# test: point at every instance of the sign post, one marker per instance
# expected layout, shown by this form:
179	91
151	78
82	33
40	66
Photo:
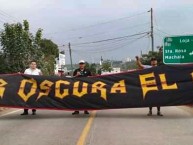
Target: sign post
178	50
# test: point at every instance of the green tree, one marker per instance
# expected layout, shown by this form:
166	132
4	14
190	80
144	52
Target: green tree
49	47
106	66
19	46
3	67
51	51
92	67
129	65
146	58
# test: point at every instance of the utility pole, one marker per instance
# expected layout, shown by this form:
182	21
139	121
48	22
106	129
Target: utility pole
101	61
151	34
69	46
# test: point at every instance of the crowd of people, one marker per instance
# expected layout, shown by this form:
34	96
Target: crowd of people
82	71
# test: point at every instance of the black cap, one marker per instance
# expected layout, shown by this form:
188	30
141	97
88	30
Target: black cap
153	59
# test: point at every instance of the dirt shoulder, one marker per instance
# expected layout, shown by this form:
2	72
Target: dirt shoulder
187	108
6	110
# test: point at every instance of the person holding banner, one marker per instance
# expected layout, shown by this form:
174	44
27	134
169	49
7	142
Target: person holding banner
153	62
32	70
81	72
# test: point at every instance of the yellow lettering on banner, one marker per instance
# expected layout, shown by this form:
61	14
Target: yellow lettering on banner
2	88
192	75
99	86
82	92
58	93
164	84
148	85
120	86
32	91
45	86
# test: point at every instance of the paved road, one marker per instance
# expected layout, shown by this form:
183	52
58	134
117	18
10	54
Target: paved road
109	127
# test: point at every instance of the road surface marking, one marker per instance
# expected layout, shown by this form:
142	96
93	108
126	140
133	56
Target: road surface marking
82	139
10	113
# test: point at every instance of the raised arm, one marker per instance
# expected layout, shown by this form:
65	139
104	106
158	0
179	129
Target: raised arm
138	62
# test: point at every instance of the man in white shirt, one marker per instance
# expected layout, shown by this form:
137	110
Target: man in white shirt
32	70
141	66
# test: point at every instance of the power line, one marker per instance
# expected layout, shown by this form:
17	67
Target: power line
116	20
128	43
115	48
162	31
155	20
2	21
104	46
157	26
159	35
101	33
110	39
102	23
106	43
148	44
99	45
4	18
7	15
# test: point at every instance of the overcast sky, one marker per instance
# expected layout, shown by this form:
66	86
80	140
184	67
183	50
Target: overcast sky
80	21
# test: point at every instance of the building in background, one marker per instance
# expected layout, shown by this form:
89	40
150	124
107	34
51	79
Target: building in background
60	68
113	71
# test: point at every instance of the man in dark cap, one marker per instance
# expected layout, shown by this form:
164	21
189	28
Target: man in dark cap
81	72
153	62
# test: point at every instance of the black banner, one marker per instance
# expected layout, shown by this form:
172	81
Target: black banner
157	86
